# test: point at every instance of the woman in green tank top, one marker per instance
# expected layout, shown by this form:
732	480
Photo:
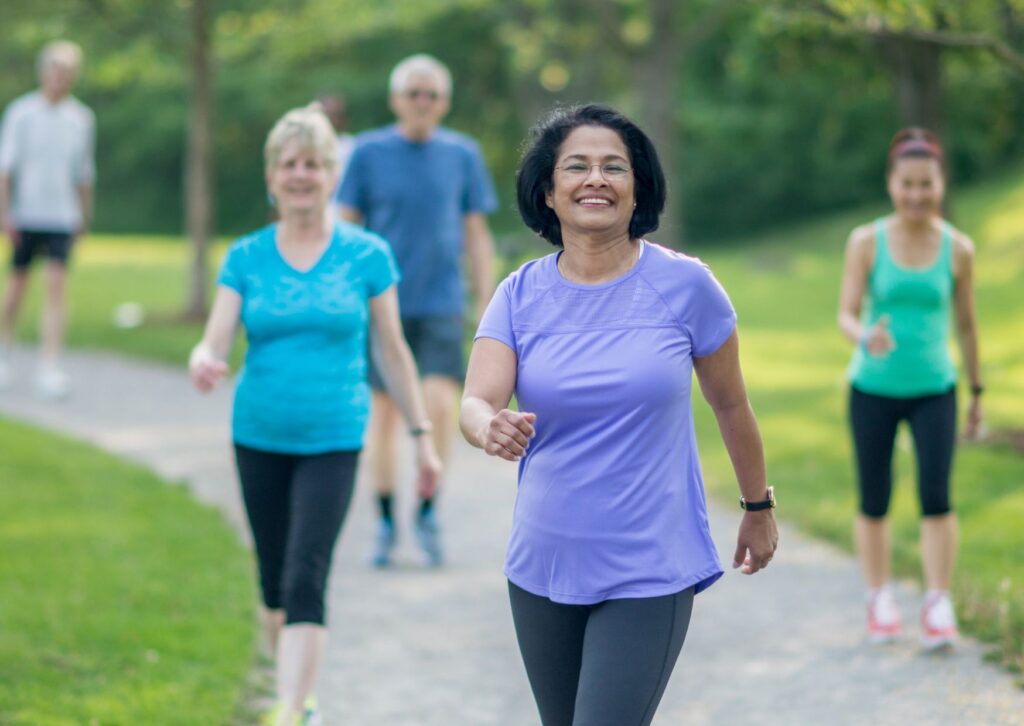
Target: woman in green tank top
906	277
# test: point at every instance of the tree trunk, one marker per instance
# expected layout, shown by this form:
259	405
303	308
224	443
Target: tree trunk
656	70
916	70
199	164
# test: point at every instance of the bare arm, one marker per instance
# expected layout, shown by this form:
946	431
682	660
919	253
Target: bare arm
5	209
485	419
967	329
480	250
208	362
856	268
398	369
721	382
85	204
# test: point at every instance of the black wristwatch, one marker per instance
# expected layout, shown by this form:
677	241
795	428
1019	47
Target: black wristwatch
768	503
977	390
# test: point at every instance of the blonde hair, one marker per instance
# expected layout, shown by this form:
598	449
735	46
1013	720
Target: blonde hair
420	64
60	51
311	128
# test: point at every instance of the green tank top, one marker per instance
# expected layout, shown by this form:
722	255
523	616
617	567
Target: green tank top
918	303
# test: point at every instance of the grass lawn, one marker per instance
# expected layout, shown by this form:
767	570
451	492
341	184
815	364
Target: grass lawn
785	288
123	600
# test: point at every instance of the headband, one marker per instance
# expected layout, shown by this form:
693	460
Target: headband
919	145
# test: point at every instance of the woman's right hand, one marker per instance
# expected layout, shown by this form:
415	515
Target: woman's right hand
877	340
507	434
205	369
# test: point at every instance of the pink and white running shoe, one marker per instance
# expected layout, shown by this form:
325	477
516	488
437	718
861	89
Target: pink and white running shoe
884	623
938	621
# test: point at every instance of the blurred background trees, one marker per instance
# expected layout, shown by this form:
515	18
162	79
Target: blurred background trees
764	111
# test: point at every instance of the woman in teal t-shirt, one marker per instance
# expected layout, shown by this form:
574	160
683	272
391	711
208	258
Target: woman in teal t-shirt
308	290
906	277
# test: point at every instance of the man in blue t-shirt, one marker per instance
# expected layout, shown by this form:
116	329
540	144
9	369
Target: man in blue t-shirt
425	189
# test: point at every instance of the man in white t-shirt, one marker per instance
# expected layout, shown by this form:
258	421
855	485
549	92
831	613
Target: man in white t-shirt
46	184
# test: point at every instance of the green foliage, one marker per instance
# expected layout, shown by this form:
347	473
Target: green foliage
781	109
124	601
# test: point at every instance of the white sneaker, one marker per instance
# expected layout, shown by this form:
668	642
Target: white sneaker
938	621
53	384
884	623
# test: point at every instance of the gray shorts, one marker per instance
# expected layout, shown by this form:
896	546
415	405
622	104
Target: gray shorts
436	344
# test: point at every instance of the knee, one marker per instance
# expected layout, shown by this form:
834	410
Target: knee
304	596
936	507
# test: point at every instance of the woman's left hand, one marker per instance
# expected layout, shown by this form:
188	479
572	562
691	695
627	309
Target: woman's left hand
757	541
972	427
428	464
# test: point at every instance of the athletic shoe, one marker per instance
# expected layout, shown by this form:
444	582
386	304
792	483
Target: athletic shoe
428	534
310	713
274	715
384	545
938	621
884	623
53	384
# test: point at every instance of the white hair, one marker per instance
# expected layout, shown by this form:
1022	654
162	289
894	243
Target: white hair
420	64
311	128
63	52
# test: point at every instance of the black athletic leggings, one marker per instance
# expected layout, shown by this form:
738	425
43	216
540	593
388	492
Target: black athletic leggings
873	422
599	665
296	506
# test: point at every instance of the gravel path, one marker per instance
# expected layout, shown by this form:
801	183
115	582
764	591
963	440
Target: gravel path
417	647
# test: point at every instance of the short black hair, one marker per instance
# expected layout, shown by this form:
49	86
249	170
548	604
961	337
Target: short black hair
537	167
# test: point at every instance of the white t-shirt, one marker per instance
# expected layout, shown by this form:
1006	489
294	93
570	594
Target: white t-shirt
47	151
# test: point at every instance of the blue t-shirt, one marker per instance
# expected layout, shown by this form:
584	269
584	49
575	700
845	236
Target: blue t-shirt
303	388
611	498
415	195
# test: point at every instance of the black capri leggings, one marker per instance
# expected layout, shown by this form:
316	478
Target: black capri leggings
599	665
873	422
296	505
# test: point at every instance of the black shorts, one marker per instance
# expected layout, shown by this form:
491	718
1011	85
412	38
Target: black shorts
436	344
873	423
55	245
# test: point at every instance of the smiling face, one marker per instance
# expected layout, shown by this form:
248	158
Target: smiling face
916	187
300	180
420	104
592	186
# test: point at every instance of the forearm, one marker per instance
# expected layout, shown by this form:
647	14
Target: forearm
474	417
742	440
398	369
851	328
967	336
85	203
5	199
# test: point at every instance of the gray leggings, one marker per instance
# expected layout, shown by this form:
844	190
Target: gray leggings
605	664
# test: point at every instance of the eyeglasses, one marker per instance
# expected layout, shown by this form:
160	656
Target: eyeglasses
415	93
611	170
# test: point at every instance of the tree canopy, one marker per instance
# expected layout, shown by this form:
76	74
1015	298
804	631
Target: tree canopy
764	111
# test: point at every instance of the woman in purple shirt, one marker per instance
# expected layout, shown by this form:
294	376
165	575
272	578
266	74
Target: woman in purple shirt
598	342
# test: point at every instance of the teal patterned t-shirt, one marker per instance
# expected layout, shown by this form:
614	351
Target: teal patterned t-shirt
303	387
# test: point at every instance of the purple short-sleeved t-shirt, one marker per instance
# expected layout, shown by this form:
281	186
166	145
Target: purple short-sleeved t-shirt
611	499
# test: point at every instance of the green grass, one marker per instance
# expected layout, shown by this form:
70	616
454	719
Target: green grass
785	288
123	600
108	271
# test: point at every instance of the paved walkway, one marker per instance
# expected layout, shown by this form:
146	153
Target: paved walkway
420	648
